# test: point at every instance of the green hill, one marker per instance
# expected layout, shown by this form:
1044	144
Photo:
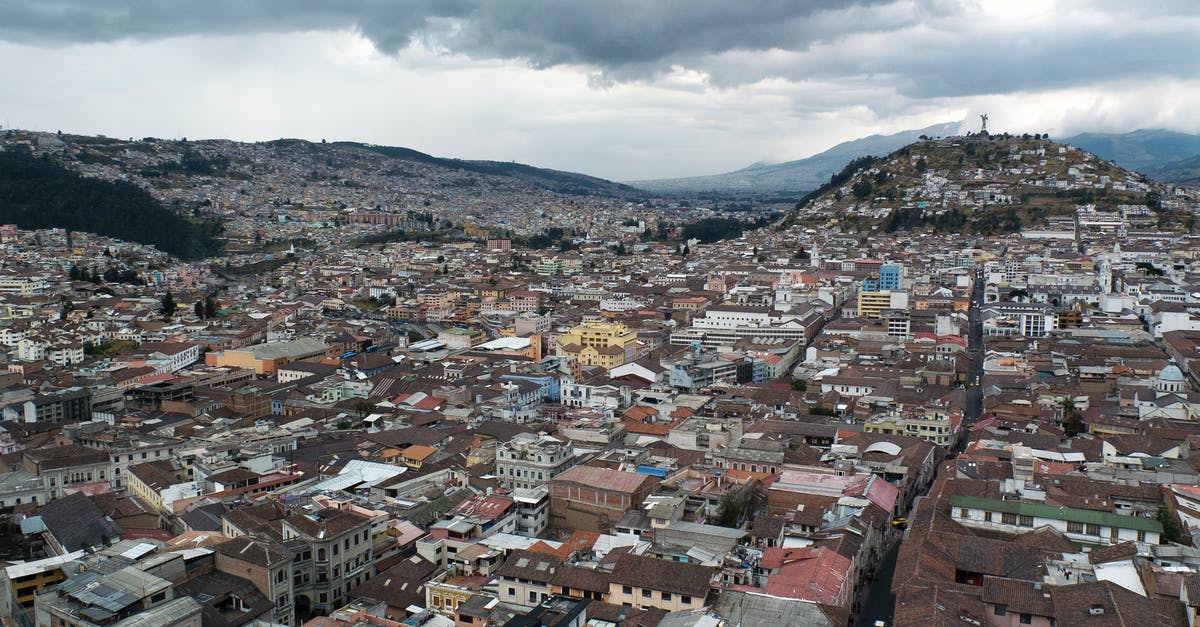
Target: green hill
983	184
36	192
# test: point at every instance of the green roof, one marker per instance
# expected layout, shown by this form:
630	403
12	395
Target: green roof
1069	514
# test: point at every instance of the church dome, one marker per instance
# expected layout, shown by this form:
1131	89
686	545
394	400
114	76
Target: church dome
1171	373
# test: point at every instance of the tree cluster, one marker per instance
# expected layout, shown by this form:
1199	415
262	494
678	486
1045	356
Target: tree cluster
38	193
205	309
110	275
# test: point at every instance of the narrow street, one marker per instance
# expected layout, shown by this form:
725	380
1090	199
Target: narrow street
880	602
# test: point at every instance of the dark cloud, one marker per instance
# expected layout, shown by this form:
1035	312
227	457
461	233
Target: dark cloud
608	34
932	47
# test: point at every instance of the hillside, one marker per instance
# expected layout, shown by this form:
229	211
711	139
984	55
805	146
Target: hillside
1181	172
974	184
795	176
36	192
1148	151
194	175
552	180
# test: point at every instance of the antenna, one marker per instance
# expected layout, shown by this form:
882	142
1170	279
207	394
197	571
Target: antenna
983	118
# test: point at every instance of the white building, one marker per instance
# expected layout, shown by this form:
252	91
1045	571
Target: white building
1082	526
530	461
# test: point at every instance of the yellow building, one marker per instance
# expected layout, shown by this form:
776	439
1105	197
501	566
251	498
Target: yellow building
604	344
27	578
870	304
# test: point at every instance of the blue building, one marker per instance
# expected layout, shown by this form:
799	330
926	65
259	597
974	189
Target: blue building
888	279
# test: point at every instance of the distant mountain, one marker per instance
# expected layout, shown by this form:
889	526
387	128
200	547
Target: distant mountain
1148	151
1182	172
796	176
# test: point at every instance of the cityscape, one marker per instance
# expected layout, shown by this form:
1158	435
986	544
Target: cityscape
939	367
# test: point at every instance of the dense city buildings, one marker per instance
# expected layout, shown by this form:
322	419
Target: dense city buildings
393	400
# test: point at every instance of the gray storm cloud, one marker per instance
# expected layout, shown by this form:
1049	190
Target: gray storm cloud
935	49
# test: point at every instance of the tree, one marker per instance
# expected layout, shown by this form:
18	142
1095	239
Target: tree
210	307
1072	421
741	505
198	309
861	188
1018	294
1172	531
168	306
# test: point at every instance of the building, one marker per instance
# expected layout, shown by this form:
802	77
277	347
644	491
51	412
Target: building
872	304
22	581
266	564
160	484
725	325
458	338
333	553
604	344
1082	526
69	405
592	498
62	466
528	461
524	578
642	582
1021	319
265	358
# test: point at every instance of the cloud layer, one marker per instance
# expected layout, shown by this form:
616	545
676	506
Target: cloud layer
625	88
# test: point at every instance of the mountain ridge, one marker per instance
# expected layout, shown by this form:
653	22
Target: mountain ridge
798	175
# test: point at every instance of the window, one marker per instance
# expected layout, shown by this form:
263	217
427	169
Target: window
963	512
626	589
1001	610
1074	527
161	596
685	599
666	596
1025	521
1093	529
1026	619
1141	537
512	592
1008	519
646	593
987	517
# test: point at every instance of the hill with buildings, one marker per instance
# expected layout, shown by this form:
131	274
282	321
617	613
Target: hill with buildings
38	192
334	176
983	184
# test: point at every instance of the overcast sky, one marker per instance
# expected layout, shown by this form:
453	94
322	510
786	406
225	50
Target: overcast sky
624	89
